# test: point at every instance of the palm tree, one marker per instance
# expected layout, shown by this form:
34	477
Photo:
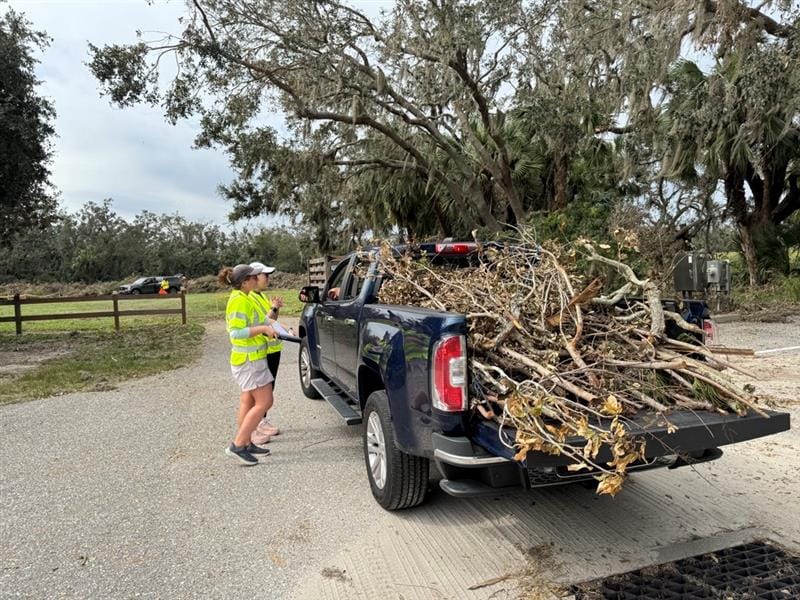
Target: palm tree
738	124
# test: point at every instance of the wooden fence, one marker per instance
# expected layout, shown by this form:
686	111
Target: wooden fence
18	302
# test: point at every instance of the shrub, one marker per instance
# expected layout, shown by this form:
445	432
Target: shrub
791	288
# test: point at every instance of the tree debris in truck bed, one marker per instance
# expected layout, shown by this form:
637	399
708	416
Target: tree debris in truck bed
556	354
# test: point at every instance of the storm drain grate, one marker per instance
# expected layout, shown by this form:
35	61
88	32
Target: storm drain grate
747	572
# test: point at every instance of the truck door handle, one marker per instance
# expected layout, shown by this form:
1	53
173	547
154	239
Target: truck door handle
349	321
328	318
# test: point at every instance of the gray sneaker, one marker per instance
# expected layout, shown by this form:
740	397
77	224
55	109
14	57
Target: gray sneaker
242	454
258	450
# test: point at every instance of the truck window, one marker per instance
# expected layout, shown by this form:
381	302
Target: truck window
333	291
357	277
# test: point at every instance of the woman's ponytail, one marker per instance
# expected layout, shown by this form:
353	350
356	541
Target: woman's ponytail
224	276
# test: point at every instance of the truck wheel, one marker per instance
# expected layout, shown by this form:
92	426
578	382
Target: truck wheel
398	480
307	372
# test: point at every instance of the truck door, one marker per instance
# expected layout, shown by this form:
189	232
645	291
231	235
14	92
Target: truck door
346	326
324	317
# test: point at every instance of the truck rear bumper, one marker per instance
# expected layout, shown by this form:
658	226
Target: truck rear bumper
469	470
485	464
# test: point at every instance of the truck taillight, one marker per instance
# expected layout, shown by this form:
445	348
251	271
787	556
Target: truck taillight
449	374
710	331
463	248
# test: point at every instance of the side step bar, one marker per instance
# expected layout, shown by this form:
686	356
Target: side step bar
350	415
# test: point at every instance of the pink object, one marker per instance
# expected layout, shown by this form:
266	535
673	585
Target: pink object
260	437
266	427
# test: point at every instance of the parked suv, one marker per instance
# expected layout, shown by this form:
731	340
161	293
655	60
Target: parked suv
151	285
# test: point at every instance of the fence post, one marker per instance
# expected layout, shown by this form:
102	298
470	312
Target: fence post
183	305
116	310
18	314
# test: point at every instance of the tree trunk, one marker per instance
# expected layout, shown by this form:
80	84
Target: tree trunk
514	201
559	183
484	210
445	230
749	250
473	196
745	223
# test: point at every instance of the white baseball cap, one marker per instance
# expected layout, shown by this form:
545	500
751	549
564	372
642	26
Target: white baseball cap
262	268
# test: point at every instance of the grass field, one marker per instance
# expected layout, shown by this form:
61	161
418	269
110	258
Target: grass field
199	308
50	363
67	355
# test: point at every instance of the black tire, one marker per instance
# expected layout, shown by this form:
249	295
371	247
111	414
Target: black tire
136	292
406	481
172	290
307	371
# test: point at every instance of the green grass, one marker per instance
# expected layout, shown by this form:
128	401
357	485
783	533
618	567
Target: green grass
93	360
212	305
88	355
199	308
783	291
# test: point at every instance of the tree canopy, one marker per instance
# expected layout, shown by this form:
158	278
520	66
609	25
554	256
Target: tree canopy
97	244
26	198
443	117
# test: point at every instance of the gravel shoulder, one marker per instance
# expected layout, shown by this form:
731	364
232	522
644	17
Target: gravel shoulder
128	494
777	375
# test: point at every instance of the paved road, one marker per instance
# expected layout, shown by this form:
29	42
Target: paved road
127	494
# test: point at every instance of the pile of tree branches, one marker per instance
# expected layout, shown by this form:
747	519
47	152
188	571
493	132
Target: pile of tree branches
556	356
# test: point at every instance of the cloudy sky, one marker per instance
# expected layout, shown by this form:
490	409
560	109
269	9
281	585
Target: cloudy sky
130	155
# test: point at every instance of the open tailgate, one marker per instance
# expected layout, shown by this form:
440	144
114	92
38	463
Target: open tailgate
693	431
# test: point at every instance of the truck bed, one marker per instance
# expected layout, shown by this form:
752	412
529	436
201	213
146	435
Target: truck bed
695	430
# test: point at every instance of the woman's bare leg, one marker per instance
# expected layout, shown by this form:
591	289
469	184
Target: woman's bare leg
245	404
271	400
261	397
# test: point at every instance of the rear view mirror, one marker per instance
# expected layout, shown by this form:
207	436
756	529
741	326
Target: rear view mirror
310	294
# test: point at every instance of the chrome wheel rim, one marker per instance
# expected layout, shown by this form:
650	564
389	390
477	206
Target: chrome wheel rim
305	368
376	450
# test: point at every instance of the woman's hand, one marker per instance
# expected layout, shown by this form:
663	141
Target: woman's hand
277	302
268	331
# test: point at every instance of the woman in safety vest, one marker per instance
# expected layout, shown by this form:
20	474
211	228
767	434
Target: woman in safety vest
269	313
248	337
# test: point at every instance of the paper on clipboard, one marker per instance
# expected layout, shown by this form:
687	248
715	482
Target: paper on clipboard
280	329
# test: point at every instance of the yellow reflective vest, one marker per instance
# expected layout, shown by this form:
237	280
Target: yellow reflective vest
242	312
264	307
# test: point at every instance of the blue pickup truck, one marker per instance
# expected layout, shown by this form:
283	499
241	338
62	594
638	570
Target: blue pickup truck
399	371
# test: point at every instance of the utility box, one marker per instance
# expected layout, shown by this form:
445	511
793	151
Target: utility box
718	275
690	273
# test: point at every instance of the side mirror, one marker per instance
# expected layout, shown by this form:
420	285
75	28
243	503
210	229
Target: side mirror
310	294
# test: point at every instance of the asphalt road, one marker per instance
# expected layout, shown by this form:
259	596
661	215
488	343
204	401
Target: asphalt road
127	494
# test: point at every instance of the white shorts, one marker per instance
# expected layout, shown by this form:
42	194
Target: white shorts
252	375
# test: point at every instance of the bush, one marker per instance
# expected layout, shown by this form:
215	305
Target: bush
207	283
56	289
790	288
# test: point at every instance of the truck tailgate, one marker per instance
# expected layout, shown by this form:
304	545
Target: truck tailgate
694	430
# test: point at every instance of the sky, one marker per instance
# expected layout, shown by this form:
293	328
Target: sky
131	155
